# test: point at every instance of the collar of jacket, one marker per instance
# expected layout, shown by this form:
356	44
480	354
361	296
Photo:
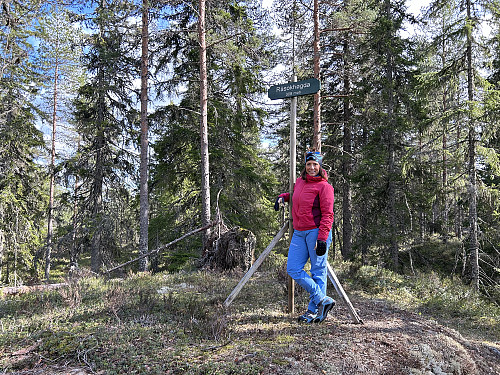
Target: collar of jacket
317	178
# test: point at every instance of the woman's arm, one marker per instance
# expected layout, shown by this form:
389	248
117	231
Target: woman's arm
326	199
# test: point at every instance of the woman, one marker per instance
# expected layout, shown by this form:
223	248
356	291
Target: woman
312	214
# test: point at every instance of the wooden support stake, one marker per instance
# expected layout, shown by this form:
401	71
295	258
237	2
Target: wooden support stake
331	274
338	287
256	265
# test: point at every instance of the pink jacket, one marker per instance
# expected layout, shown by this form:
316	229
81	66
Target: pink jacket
312	205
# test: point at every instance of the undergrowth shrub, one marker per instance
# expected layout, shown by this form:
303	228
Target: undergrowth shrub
444	298
202	317
375	280
72	293
276	263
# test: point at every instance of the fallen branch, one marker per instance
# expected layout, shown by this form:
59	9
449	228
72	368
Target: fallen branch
12	290
161	248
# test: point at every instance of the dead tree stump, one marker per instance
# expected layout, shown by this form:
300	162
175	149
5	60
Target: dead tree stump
234	248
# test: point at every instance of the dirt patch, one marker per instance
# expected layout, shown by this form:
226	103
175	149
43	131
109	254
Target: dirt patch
395	342
390	342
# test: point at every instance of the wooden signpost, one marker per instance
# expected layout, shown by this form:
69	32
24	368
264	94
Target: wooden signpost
292	90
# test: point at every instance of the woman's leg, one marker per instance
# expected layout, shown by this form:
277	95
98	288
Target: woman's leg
319	271
301	248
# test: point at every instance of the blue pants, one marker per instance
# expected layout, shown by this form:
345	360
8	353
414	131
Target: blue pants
302	248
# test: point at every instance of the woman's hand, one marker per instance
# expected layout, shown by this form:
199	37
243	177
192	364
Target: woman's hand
320	248
279	200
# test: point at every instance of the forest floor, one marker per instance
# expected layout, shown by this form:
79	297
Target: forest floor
176	324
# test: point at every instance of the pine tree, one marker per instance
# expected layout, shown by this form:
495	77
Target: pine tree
59	60
235	55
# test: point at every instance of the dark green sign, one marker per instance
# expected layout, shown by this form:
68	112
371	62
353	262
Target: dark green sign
291	89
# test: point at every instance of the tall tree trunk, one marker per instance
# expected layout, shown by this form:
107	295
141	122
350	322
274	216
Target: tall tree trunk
95	242
144	202
473	243
421	213
347	162
364	212
445	229
317	97
391	165
205	165
73	257
391	195
445	204
459	208
48	249
96	257
2	249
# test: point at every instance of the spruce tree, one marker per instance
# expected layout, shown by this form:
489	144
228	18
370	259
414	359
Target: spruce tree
345	30
387	85
22	180
105	117
464	25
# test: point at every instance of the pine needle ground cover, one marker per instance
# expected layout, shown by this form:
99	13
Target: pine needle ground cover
176	324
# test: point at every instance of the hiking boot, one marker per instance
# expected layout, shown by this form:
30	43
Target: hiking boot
324	307
307	317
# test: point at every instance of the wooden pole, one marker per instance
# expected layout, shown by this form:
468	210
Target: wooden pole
316	61
255	266
340	291
293	158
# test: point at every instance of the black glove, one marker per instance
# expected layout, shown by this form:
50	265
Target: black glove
320	248
277	204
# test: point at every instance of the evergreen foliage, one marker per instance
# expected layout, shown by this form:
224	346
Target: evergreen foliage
105	116
22	178
241	181
409	124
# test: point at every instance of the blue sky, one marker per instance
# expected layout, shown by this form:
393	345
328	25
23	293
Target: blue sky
414	6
